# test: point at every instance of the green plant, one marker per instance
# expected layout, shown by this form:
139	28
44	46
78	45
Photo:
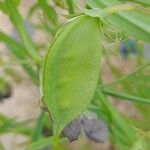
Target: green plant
70	78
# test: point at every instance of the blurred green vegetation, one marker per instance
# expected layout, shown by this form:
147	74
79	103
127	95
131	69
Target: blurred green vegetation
125	132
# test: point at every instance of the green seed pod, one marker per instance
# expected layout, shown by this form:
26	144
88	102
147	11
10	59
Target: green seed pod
71	70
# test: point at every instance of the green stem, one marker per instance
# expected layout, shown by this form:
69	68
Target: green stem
70	6
18	23
109	10
38	127
125	96
120	130
55	144
125	76
120	7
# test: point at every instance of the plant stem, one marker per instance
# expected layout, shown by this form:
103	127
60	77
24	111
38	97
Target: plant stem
55	144
38	127
125	96
120	7
70	6
125	76
18	23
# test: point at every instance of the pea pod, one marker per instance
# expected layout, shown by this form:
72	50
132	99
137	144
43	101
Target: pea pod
71	70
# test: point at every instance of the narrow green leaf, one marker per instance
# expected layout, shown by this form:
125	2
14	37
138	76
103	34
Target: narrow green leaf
16	48
8	125
18	23
20	53
38	128
132	22
42	143
124	77
72	70
70	6
121	133
125	96
39	144
48	10
146	2
32	10
31	72
4	8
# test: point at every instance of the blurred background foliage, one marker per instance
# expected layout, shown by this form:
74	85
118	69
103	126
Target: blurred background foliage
126	76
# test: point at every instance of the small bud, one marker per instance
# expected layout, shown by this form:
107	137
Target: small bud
72	131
